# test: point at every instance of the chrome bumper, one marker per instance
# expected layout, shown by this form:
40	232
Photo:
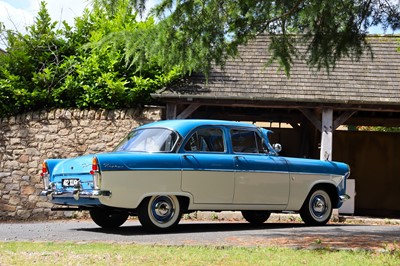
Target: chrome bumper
76	194
343	198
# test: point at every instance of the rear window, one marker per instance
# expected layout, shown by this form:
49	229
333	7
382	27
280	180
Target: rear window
149	140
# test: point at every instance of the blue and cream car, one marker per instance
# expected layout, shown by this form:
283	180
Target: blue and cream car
164	169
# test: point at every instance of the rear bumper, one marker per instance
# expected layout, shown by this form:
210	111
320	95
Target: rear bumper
75	194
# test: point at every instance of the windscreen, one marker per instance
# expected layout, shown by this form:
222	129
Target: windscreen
149	140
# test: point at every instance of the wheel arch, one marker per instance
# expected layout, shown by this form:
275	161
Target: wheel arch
184	198
329	188
299	193
185	202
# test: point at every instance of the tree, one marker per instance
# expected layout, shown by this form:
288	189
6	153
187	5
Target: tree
197	33
32	66
69	67
103	76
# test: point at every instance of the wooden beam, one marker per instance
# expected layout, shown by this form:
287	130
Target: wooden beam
374	121
313	118
188	111
378	107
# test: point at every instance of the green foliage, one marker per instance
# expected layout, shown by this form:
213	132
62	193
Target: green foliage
198	33
378	129
52	66
28	69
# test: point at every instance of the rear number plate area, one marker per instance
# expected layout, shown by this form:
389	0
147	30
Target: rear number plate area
70	182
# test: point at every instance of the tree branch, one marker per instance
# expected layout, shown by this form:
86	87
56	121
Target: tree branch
290	12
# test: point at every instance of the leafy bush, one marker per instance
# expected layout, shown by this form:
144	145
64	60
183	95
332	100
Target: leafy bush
79	67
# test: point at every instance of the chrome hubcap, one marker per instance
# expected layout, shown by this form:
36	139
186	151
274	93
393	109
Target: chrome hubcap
162	208
319	205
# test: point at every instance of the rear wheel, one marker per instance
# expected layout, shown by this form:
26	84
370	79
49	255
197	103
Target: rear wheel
317	209
256	217
108	218
159	213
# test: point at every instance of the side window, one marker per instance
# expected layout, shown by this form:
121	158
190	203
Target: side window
206	140
246	141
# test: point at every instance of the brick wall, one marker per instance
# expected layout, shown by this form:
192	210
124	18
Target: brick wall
26	140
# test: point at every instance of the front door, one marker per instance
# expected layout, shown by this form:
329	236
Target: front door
259	178
207	170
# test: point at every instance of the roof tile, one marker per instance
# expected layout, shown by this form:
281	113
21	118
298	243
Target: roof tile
370	80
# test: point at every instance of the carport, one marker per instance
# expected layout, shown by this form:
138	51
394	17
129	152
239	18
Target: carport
306	110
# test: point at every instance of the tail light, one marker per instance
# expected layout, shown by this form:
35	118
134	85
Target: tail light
45	175
45	171
95	166
95	173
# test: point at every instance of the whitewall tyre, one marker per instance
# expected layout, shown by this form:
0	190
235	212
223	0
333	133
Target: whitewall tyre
159	213
317	209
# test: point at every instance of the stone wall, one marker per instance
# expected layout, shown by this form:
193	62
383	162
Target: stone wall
26	140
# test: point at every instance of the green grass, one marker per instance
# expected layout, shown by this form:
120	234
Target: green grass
40	253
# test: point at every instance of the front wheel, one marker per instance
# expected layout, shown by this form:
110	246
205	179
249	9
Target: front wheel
256	217
159	213
317	209
108	218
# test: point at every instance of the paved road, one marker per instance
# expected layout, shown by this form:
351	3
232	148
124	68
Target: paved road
211	233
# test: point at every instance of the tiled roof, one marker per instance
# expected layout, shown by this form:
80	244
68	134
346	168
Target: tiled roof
366	82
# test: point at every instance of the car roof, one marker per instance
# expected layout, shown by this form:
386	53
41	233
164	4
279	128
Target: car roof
184	126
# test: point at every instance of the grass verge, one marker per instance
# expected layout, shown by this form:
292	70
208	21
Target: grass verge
50	253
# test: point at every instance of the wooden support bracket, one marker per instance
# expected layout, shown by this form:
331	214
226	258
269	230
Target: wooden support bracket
313	118
188	111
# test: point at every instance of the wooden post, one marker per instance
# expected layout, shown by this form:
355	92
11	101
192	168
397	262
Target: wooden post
171	111
326	135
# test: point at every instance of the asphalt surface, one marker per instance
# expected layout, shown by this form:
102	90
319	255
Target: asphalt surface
217	233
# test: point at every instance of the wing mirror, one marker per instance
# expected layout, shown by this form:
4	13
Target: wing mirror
277	147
